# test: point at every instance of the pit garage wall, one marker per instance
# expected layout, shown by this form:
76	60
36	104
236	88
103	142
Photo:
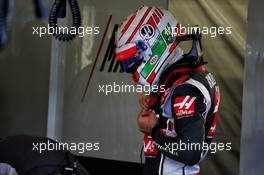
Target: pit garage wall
225	56
252	121
107	119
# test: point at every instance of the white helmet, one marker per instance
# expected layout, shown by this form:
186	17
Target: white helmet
144	46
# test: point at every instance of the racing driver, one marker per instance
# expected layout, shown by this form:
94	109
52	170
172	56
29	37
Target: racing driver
184	113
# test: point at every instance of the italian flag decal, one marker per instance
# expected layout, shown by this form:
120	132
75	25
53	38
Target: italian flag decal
157	50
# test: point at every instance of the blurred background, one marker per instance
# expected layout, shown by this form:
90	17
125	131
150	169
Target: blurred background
42	81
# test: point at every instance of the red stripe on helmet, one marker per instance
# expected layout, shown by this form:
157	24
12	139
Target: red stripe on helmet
157	19
139	24
126	53
173	46
152	22
151	77
160	11
127	26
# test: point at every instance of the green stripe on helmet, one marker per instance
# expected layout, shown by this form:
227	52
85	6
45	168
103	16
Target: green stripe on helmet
157	50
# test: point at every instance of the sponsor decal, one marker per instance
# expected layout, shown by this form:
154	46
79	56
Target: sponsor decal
147	31
210	79
154	59
184	106
149	146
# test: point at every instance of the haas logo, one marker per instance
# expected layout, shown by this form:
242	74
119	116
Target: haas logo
147	31
184	106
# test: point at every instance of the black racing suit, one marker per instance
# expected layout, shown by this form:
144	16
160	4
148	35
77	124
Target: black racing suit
188	111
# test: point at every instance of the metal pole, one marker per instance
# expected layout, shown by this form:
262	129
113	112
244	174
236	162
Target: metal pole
56	88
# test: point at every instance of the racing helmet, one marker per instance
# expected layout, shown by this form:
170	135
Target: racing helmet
145	44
